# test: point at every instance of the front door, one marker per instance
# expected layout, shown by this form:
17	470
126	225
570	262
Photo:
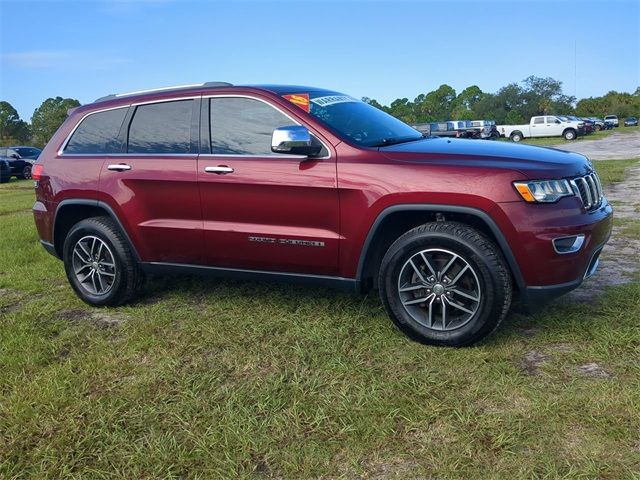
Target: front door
264	211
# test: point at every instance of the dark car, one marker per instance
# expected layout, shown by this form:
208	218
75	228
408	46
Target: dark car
294	183
20	165
631	122
5	171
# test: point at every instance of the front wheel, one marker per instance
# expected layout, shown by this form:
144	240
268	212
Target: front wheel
445	283
516	137
569	135
100	264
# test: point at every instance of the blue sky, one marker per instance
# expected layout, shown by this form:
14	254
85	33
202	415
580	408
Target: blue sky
383	50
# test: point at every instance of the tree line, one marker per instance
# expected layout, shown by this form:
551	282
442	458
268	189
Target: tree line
512	104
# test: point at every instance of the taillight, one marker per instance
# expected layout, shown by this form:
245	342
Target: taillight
36	172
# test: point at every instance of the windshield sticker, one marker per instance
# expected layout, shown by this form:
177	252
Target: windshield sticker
332	100
299	99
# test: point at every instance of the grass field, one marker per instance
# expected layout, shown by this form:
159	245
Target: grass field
219	379
561	141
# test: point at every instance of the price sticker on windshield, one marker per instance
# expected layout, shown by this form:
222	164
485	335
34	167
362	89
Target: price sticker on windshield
332	100
299	99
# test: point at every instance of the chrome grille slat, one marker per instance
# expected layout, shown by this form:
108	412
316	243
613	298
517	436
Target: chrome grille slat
589	189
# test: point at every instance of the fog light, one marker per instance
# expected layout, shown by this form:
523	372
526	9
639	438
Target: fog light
569	244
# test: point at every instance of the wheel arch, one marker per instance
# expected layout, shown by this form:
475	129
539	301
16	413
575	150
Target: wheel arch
398	219
71	211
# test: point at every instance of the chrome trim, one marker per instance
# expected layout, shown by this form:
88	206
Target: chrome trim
66	140
165	100
296	122
220	170
118	167
577	244
592	186
274	156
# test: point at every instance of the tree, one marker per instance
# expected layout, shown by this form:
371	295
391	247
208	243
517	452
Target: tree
12	128
49	116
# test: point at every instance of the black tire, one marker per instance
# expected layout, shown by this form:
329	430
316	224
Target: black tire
474	249
516	137
26	173
127	276
569	134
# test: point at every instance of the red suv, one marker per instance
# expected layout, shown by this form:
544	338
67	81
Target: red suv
304	184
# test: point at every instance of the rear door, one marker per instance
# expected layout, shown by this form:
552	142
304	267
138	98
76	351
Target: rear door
153	186
538	127
261	210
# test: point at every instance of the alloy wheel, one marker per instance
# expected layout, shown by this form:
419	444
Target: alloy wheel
94	265
439	289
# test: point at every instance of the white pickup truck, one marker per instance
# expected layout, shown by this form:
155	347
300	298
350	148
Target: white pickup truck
543	126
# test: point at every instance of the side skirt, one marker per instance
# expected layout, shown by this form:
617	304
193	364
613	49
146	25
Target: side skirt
340	283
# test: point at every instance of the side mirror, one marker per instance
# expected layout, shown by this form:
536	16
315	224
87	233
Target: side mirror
15	155
294	140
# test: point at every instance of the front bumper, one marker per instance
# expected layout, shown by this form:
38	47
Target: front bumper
546	273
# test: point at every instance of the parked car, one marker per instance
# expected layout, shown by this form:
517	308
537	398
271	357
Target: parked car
589	125
484	128
631	122
20	167
612	119
311	185
446	129
31	153
598	123
573	119
5	171
543	126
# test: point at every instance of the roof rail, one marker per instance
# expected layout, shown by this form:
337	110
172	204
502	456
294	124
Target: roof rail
163	89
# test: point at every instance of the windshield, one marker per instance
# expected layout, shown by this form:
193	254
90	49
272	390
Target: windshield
359	122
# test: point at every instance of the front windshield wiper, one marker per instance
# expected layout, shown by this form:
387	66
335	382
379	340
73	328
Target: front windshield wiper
385	142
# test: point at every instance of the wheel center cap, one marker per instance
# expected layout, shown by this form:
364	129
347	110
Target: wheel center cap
438	289
94	265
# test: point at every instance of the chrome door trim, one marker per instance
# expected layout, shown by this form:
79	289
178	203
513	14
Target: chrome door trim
296	122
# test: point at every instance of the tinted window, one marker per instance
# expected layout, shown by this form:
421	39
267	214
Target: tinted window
243	126
98	133
161	128
538	120
551	119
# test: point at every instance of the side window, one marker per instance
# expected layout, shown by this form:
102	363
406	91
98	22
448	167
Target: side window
551	120
538	120
98	133
161	128
243	126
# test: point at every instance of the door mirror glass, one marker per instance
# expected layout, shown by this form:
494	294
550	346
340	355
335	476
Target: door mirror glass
294	140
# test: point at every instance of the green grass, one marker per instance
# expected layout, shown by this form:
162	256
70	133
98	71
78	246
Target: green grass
545	141
613	171
220	379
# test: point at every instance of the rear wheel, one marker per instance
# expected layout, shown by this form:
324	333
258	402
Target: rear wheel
445	283
100	264
26	172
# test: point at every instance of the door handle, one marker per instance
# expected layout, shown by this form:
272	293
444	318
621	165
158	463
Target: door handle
119	167
220	169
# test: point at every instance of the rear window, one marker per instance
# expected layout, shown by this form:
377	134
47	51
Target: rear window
98	133
161	128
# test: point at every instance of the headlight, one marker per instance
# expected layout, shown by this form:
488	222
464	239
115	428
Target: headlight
543	191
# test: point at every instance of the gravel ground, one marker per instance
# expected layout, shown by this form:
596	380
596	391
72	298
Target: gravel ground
615	146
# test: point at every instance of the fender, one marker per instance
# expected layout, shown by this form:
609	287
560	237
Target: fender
502	242
97	204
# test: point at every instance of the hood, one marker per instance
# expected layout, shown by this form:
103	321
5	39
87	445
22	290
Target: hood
533	162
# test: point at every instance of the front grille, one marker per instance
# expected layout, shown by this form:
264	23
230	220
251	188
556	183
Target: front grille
589	189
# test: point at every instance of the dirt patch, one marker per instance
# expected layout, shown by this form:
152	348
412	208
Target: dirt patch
11	300
528	331
101	319
593	370
395	468
532	362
